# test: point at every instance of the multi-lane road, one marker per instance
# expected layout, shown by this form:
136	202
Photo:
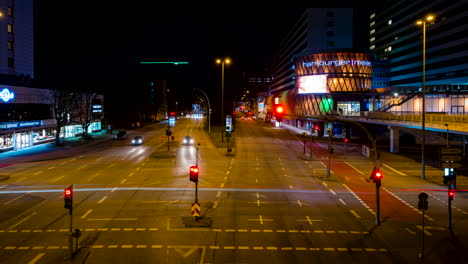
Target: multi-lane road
267	201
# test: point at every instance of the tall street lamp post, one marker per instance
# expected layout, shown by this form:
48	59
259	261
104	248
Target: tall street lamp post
423	143
222	62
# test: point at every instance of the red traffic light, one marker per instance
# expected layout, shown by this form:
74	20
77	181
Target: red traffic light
345	140
279	109
317	128
68	192
451	194
378	174
194	173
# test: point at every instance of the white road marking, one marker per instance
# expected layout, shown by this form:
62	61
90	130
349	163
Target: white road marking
5	203
86	214
218	194
123	181
114	219
102	200
325	184
222	185
36	258
115	188
397	171
341	200
3	186
56	179
37	173
24	219
349	164
215	204
334	193
21	179
354	213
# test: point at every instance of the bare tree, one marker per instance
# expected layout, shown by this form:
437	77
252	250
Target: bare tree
85	111
64	104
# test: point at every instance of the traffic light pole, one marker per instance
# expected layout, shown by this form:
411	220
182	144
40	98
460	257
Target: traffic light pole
449	224
422	234
377	204
70	239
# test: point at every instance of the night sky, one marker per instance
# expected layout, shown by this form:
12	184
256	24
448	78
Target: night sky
100	46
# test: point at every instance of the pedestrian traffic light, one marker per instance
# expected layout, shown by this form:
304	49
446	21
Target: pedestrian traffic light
331	149
68	194
279	112
449	175
168	132
422	203
345	140
451	194
194	173
376	176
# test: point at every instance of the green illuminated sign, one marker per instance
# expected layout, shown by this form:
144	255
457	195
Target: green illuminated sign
164	62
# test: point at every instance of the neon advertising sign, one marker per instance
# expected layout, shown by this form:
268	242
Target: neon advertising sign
6	95
337	63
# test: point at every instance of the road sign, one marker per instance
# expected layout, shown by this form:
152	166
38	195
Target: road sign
450	158
451	165
451	151
195	209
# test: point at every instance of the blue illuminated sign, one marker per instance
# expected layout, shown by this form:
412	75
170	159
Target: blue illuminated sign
11	125
6	95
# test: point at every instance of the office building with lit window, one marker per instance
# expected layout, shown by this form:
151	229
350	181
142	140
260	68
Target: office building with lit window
395	37
17	38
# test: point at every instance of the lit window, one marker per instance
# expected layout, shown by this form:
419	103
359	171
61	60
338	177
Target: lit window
396	37
373	23
372	16
10	11
389	48
390	22
372	39
10	28
372	31
10	45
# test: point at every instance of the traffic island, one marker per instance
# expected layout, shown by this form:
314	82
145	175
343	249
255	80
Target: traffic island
4	177
200	221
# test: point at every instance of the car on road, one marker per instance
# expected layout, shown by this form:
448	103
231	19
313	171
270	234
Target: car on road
121	135
188	141
138	140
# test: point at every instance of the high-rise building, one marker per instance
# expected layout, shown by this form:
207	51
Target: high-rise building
317	29
17	38
395	36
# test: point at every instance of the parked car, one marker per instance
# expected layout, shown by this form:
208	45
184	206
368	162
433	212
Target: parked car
121	135
188	141
138	140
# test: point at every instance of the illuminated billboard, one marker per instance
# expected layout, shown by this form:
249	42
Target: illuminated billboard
312	84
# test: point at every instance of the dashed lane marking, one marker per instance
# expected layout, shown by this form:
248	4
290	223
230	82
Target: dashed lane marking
102	199
191	247
141	229
359	199
409	205
395	170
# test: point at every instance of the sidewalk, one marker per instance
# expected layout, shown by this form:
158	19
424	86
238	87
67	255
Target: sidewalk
386	155
50	150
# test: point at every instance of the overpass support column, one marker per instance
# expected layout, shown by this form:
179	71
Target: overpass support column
394	139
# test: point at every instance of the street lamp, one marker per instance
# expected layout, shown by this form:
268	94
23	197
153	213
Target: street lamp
423	23
222	62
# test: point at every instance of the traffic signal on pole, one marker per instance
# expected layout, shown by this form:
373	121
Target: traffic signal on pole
194	173
451	194
345	140
68	194
376	176
331	149
279	112
422	203
168	132
449	175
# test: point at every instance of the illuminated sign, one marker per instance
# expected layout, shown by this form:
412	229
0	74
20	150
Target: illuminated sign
11	125
6	95
312	84
337	63
97	108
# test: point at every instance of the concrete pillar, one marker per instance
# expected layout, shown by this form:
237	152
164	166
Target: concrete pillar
394	139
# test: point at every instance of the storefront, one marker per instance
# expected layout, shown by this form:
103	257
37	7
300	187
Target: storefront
24	134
